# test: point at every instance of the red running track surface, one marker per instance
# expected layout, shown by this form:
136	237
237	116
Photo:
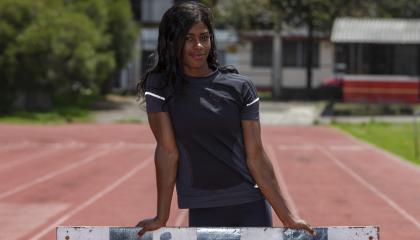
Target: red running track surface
104	175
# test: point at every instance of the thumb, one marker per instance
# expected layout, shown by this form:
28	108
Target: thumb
141	232
309	229
140	224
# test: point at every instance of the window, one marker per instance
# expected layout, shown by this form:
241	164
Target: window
262	53
293	51
389	59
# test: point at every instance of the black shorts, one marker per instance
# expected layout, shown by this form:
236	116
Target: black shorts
253	214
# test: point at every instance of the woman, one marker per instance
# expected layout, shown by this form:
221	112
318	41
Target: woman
205	118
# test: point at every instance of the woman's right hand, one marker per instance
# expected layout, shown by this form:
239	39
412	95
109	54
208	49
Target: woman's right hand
299	224
150	224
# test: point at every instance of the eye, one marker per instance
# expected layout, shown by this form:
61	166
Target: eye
204	37
189	38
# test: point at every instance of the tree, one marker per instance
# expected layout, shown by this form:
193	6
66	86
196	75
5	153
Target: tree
393	9
315	15
124	33
14	17
59	55
115	20
244	15
54	48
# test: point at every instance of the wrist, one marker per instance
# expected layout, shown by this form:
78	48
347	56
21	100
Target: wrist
288	219
161	219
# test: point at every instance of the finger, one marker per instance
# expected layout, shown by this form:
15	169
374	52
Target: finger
142	232
310	230
140	224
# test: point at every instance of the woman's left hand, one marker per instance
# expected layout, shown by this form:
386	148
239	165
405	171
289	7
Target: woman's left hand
150	225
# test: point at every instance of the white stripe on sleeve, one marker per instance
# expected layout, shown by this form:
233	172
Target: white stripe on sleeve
154	95
256	100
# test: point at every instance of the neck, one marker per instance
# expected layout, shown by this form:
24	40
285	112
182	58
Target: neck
200	72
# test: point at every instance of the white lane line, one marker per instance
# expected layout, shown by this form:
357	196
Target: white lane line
14	146
353	148
46	177
284	189
388	155
37	155
94	198
129	145
373	189
303	147
181	218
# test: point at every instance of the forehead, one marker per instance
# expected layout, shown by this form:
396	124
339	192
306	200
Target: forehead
198	28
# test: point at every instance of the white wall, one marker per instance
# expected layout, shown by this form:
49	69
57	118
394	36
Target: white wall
292	77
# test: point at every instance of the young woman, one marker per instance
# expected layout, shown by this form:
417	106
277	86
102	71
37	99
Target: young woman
205	118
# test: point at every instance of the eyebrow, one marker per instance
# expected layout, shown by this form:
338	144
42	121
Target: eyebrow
200	33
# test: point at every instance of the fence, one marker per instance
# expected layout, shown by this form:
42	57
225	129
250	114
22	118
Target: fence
130	233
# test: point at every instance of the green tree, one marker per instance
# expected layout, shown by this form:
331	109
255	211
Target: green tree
243	15
393	9
15	16
115	20
124	33
59	55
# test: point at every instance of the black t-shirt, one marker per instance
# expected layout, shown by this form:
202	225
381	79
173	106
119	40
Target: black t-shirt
206	118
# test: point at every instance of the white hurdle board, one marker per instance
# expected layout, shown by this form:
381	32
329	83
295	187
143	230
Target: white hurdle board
247	233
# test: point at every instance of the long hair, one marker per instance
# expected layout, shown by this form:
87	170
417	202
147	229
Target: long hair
174	26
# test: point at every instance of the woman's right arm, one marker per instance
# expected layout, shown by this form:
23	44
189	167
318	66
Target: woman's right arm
166	162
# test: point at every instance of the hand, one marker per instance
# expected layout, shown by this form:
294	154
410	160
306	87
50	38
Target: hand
150	225
300	224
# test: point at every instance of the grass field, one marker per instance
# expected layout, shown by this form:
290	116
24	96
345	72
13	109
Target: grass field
57	116
395	138
63	112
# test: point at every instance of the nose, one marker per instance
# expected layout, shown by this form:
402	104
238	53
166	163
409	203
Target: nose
198	44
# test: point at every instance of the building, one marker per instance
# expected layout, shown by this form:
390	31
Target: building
256	54
378	59
250	52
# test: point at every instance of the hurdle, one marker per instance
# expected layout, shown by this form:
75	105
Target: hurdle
247	233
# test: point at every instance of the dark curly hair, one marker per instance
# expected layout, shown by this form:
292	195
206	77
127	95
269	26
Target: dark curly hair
174	26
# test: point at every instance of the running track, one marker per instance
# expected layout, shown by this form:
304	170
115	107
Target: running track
104	175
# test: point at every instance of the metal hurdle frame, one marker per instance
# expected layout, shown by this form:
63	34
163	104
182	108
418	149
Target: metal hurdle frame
248	233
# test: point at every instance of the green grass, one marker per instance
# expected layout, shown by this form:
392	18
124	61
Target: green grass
60	115
65	112
364	109
395	138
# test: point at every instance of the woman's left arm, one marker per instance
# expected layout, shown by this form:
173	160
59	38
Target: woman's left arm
262	171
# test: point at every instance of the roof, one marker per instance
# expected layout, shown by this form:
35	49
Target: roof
376	30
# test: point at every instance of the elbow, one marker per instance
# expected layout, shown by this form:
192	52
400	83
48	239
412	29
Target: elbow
255	158
260	165
169	154
254	153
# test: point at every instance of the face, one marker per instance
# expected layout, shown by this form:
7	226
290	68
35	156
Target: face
197	46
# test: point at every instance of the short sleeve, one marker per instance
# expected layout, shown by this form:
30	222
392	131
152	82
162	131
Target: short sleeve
155	94
250	102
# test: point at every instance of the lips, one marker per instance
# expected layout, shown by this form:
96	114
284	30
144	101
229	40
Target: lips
198	56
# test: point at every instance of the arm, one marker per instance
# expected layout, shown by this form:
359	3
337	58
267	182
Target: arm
262	171
166	162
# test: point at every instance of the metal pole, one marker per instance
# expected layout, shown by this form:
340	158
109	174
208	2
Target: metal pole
415	133
276	67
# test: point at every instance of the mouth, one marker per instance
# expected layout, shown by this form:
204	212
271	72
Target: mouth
198	56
